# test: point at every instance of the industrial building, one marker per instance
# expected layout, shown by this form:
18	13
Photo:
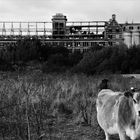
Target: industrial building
75	35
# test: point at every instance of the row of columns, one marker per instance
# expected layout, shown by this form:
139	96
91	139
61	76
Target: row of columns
76	44
131	38
21	30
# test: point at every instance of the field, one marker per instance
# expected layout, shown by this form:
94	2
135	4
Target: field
35	106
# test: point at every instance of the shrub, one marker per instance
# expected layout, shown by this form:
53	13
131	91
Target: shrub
37	106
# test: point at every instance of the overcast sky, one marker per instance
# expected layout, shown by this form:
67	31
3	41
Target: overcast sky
43	10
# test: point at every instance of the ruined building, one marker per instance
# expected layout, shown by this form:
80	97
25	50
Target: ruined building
75	35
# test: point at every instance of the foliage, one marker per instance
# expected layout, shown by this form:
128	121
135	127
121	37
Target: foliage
25	50
96	48
116	59
47	50
37	106
98	59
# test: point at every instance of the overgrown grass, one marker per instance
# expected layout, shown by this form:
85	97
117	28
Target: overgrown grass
35	106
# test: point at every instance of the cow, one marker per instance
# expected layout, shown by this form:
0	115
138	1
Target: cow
119	113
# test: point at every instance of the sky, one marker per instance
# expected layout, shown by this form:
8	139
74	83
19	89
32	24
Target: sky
75	10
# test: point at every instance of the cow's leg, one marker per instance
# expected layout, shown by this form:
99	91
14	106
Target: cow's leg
122	135
107	136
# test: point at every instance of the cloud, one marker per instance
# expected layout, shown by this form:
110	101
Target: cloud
73	9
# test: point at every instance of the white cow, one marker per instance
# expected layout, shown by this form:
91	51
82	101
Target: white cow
119	113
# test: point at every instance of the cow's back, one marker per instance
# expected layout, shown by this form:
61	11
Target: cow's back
106	98
107	108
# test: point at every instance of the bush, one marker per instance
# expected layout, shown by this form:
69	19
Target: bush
40	106
116	59
52	68
47	50
98	60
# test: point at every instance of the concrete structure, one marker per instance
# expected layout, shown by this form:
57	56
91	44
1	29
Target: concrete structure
131	34
75	35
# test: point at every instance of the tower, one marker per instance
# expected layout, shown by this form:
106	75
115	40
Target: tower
59	25
113	32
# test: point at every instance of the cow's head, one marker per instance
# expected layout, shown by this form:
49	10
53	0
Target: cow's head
135	95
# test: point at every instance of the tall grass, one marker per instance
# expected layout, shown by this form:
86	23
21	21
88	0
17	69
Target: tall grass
37	106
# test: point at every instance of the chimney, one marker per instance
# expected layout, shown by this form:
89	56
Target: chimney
113	17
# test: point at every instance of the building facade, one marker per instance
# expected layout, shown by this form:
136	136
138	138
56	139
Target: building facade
113	32
74	35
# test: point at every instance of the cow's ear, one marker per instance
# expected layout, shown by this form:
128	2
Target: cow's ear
128	94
